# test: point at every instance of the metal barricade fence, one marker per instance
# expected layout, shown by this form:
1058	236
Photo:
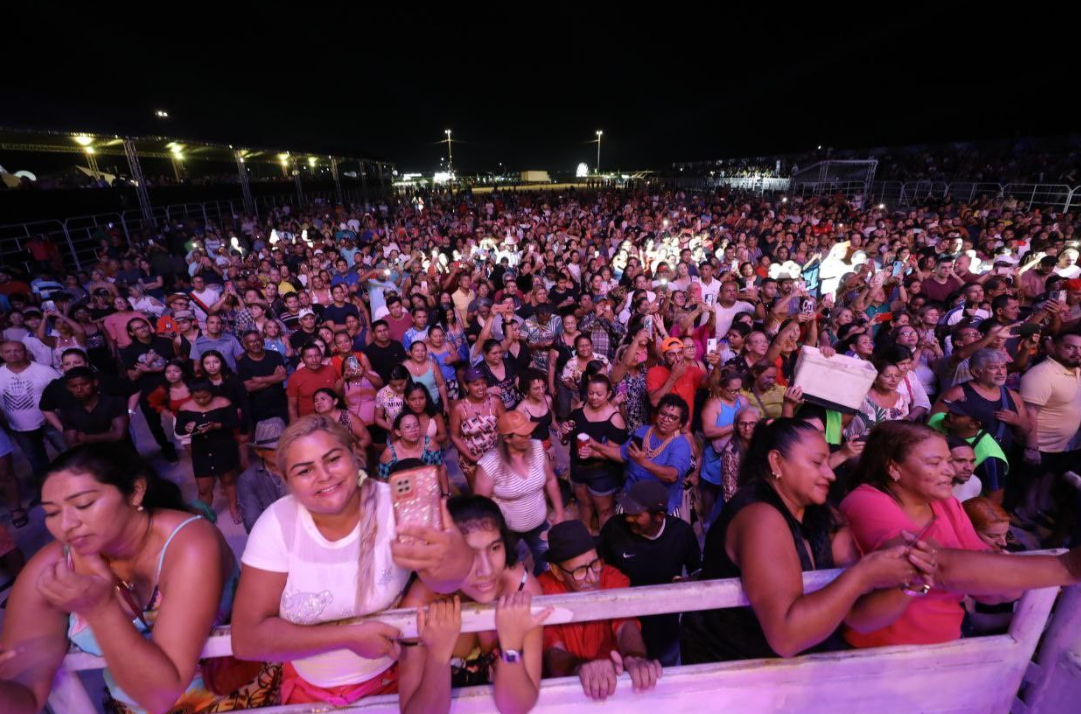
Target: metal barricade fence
978	675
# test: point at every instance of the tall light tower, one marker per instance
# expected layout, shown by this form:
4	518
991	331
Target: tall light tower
599	135
450	154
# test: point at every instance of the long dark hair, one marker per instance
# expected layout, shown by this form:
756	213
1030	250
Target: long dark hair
121	469
429	403
226	370
471	512
779	435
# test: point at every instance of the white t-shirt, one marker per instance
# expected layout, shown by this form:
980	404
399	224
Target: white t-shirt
969	489
725	315
20	395
709	292
322	582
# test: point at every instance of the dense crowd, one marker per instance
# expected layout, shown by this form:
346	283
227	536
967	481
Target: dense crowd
608	390
1022	161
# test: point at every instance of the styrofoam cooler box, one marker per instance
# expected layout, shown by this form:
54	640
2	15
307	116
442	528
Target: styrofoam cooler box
837	382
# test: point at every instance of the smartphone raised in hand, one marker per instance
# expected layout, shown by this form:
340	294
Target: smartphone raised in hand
417	498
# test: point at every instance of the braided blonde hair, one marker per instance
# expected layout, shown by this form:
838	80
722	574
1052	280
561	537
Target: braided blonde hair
369	521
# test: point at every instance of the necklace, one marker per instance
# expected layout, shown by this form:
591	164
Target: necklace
649	450
126	590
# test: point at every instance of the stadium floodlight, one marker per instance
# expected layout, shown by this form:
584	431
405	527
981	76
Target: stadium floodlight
89	149
161	114
83	139
582	171
312	161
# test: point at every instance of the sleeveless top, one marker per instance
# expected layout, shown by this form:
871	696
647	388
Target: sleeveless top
360	398
520	499
603	432
563	352
735	633
508	389
80	634
428	457
543	430
441	360
428	380
62	345
984	409
711	457
478	430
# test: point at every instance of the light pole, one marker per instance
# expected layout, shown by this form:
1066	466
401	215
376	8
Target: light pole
599	135
450	154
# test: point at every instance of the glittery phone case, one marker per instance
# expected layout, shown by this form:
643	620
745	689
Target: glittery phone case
416	496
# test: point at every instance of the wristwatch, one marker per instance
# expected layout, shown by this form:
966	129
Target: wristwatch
510	656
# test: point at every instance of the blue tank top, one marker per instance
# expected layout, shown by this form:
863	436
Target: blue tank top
80	634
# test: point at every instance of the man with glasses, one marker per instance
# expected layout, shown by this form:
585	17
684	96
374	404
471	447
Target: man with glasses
600	650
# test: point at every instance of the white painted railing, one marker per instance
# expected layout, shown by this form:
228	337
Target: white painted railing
976	676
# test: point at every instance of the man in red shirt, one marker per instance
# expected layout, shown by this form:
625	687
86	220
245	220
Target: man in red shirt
676	376
600	650
307	380
943	282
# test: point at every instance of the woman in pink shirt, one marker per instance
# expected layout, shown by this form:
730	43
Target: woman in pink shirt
906	485
116	324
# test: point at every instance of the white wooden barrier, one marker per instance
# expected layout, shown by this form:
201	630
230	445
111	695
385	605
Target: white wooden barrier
973	676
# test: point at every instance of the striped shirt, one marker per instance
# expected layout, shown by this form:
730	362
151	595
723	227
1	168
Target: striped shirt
520	499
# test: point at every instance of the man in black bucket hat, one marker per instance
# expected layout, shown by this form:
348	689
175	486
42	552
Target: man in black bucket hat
598	651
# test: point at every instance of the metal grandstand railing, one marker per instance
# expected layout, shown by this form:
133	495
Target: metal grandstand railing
78	237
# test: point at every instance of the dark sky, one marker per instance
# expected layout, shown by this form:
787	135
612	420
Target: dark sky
529	87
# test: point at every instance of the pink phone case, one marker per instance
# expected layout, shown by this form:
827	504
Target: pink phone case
417	498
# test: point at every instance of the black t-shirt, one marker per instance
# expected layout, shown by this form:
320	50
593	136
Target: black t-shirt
268	399
557	296
56	395
337	315
383	359
139	352
300	338
98	421
652	562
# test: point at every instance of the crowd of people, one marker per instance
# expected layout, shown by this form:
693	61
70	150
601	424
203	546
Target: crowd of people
1051	160
606	386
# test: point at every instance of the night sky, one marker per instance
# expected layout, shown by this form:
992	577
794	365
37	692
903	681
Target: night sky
528	88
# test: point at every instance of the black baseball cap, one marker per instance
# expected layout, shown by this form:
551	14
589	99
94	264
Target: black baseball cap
568	540
645	495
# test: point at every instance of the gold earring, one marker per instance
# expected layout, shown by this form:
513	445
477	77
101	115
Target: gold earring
362	475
